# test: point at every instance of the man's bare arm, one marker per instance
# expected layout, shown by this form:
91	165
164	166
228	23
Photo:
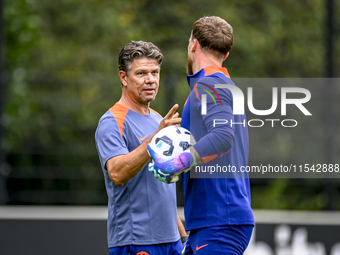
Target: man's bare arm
180	226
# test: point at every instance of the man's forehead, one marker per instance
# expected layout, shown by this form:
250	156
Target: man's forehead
144	62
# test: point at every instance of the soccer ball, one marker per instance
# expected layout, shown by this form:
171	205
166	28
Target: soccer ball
170	142
170	153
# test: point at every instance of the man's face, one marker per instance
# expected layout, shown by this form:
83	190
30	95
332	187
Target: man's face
190	60
141	85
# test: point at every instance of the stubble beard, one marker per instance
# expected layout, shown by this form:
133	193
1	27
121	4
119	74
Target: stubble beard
146	100
190	63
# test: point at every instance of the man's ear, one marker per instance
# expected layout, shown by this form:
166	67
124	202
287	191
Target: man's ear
123	77
226	55
194	45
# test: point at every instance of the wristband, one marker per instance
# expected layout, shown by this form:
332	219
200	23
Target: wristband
184	239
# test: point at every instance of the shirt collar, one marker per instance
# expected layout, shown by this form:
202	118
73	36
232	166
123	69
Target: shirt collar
207	71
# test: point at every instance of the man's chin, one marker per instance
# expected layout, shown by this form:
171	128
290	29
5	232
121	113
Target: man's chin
148	99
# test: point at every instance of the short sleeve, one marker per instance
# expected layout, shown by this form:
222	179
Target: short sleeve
109	141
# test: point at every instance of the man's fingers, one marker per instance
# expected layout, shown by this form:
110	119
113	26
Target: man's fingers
171	118
172	122
172	111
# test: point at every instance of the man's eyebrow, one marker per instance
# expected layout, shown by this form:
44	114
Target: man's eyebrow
146	69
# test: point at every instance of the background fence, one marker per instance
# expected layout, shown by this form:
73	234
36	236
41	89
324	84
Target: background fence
82	230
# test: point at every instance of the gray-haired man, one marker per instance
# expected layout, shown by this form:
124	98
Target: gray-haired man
142	211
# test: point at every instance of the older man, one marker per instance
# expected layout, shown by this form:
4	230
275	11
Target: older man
142	215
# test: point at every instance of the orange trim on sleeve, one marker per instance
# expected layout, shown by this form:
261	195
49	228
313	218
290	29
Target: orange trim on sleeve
209	158
119	112
215	69
186	101
156	112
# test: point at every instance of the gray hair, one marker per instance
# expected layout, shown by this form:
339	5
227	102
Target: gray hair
139	49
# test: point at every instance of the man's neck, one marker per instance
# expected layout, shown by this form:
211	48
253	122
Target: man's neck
134	105
204	59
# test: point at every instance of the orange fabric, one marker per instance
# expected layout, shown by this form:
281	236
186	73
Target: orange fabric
208	71
119	111
185	102
214	69
142	253
209	158
196	92
200	247
156	112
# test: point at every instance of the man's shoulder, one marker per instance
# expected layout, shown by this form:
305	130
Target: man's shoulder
155	113
117	113
113	120
106	124
215	77
106	117
216	70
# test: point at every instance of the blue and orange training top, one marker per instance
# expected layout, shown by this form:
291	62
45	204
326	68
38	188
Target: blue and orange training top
142	211
214	194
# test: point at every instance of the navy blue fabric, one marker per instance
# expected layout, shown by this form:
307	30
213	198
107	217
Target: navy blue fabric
228	240
160	249
224	199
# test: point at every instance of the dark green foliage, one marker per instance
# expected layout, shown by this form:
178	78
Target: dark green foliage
62	61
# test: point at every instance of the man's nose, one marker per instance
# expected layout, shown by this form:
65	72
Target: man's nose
150	78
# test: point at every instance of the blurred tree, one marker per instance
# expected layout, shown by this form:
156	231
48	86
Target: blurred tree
62	60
